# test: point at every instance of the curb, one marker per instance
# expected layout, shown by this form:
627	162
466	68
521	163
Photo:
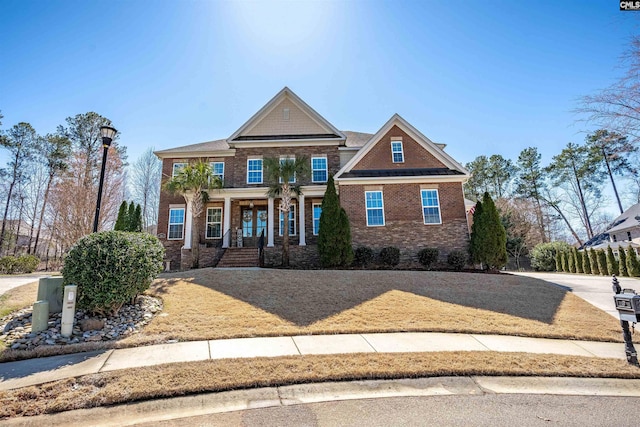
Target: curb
154	411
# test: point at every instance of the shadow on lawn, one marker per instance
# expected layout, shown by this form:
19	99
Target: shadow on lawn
305	297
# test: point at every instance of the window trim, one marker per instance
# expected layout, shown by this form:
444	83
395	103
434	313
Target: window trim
213	170
326	168
376	208
294	175
169	223
261	169
424	220
313	218
293	211
173	168
206	222
401	152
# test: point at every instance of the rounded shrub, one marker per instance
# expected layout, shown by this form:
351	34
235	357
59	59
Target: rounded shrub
27	263
8	264
457	260
111	268
428	257
390	256
543	256
363	256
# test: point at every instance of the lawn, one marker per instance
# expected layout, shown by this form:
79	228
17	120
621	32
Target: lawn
212	304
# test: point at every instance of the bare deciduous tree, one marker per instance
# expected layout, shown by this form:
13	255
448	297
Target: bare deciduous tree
144	184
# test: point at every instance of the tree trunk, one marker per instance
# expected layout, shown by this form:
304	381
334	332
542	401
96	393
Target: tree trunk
613	183
285	239
557	209
195	243
6	212
44	206
582	202
15	247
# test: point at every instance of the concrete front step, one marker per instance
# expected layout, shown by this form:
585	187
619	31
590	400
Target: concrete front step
240	257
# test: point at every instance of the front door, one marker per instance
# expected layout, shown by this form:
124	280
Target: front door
254	223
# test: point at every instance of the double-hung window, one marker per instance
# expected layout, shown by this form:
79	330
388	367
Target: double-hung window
282	161
375	208
317	211
292	221
177	167
176	223
214	223
254	171
319	169
217	169
396	152
430	207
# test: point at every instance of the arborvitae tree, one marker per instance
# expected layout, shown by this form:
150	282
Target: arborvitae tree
131	216
475	248
563	261
612	262
123	220
586	262
137	220
622	264
334	239
490	239
593	260
633	266
602	262
571	262
558	262
578	256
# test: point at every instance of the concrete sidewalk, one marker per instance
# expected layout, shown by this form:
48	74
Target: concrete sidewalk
38	371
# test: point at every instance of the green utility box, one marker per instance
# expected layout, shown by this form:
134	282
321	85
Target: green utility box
50	289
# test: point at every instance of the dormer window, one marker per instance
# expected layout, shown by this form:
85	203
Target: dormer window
397	154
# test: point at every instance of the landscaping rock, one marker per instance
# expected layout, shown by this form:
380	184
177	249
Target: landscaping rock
17	333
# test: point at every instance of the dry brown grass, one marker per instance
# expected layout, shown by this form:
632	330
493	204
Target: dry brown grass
213	304
17	298
217	375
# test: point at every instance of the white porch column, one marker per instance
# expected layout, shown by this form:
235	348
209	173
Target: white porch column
270	222
187	224
226	222
303	241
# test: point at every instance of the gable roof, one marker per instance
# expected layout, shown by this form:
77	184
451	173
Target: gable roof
210	148
452	166
627	220
328	131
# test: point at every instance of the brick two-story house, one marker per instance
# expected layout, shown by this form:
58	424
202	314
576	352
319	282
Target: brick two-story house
397	187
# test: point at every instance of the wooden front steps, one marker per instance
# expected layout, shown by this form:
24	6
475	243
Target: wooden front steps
239	257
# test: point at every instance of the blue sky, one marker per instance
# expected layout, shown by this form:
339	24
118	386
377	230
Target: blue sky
483	77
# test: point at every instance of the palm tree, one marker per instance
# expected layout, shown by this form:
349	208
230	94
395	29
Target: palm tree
192	182
283	177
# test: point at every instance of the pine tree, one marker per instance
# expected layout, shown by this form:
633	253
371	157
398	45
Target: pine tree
122	220
593	258
602	262
571	262
586	262
622	264
612	262
578	257
137	220
490	245
334	238
633	266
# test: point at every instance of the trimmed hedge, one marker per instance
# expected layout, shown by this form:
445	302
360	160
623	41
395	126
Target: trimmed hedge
428	257
390	256
111	268
547	256
457	260
20	264
363	256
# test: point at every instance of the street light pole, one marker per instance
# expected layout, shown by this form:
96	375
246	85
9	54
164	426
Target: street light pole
108	133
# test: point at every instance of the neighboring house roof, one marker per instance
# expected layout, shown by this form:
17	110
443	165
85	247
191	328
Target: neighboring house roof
252	129
454	168
627	220
614	245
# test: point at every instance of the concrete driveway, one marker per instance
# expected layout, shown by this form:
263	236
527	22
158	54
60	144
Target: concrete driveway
596	290
10	282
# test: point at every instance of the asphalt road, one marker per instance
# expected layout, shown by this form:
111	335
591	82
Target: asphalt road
596	290
485	410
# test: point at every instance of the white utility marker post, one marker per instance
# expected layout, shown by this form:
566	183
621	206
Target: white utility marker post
68	310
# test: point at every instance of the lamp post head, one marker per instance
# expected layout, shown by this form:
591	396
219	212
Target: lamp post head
108	133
